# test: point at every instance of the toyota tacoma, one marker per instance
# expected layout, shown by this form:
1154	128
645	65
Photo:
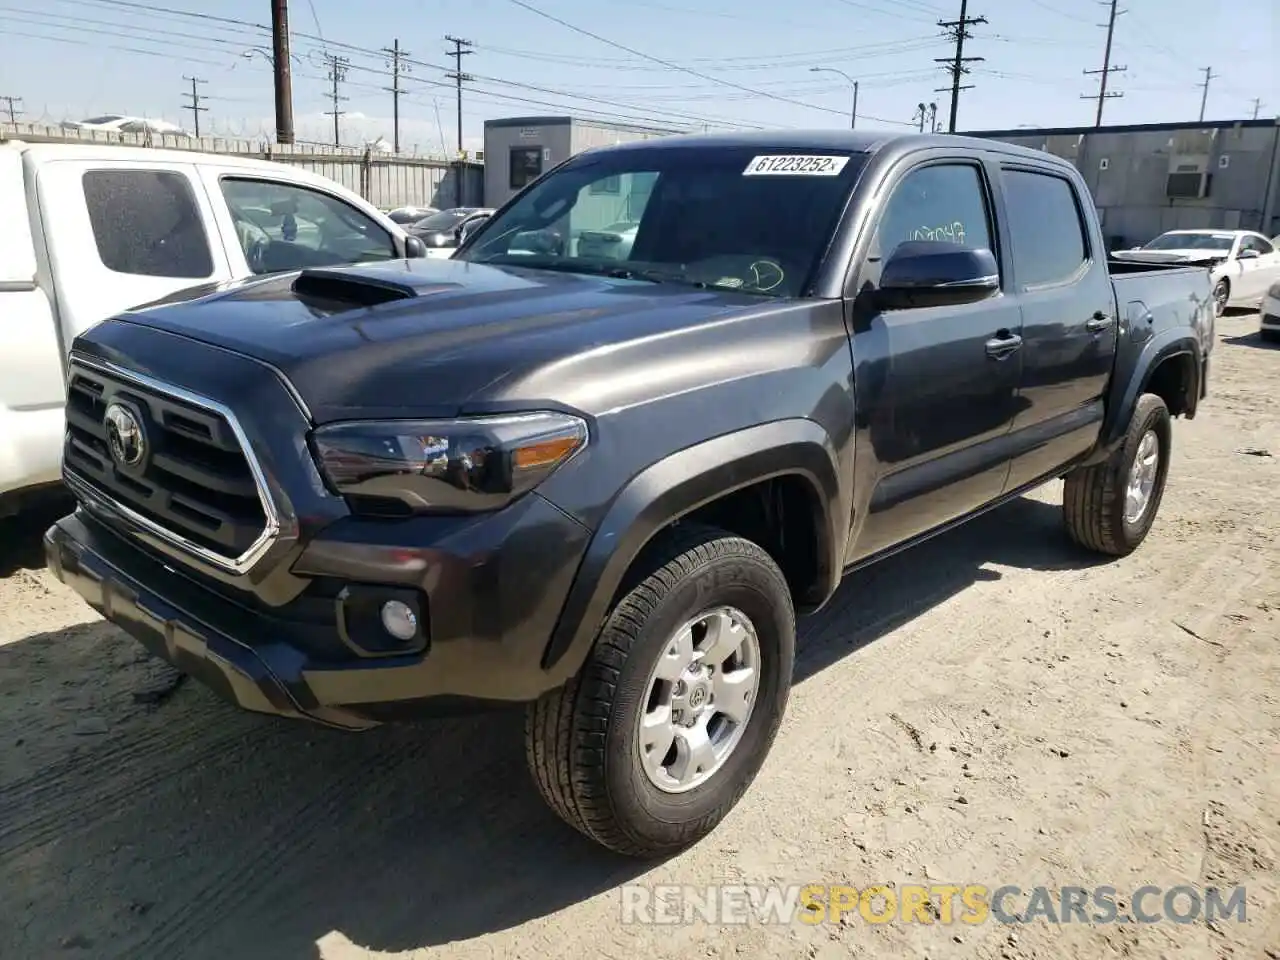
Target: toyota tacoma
602	487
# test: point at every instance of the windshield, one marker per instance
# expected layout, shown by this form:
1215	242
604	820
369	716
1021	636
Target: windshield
440	222
1192	241
748	219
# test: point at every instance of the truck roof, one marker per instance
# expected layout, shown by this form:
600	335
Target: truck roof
869	142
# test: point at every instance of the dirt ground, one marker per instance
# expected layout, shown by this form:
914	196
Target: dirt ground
993	707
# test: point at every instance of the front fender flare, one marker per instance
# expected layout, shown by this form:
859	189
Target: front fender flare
678	485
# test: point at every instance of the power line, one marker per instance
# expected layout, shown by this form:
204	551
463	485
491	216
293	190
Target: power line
1107	69
959	30
337	74
11	105
194	105
397	65
1204	97
669	64
460	50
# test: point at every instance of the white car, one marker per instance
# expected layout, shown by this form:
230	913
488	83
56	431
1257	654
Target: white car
1270	328
1243	264
119	123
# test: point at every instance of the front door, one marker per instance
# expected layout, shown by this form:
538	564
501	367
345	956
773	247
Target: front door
939	384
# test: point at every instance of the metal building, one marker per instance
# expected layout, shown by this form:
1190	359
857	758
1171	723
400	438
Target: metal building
519	149
1149	178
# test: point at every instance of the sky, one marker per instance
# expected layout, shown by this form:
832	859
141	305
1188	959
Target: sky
697	64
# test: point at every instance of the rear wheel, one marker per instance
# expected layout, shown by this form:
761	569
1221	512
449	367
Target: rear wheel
678	704
1109	507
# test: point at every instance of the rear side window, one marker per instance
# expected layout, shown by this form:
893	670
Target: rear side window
1045	227
147	223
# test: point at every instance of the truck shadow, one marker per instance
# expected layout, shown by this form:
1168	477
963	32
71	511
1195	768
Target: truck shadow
21	543
184	827
1253	339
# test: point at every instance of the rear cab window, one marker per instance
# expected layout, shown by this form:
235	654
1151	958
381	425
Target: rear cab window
1046	228
147	223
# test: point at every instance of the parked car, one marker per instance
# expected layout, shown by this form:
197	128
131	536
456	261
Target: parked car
613	242
89	230
1270	321
119	123
405	216
1243	263
603	488
443	231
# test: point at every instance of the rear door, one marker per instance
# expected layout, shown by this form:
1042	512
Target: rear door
122	233
1069	322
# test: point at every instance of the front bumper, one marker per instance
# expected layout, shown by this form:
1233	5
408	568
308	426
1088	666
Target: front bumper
490	610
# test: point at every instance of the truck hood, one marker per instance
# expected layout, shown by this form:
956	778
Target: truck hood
429	337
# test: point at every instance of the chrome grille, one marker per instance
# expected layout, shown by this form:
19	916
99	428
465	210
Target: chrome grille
194	483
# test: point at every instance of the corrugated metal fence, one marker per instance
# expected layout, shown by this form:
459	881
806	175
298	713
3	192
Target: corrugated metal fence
385	180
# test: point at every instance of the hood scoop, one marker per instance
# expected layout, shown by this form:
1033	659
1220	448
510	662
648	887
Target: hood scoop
354	289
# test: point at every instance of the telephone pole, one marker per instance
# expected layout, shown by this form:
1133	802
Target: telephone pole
1104	74
1204	97
959	30
337	74
398	66
1257	106
11	104
280	69
460	50
194	105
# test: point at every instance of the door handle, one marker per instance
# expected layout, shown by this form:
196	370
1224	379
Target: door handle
1003	344
1098	322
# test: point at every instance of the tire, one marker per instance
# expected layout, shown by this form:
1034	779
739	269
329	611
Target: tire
1095	499
583	741
1221	295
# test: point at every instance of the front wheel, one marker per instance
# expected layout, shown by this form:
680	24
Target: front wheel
678	704
1109	507
1221	294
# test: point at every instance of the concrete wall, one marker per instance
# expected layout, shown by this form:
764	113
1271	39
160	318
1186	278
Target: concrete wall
1127	170
385	180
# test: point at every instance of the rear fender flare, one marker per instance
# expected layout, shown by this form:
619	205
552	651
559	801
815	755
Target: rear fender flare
1125	394
678	485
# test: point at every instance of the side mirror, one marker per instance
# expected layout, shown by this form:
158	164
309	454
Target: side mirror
468	228
1247	255
933	273
414	248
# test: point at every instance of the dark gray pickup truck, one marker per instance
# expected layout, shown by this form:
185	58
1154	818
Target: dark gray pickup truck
605	487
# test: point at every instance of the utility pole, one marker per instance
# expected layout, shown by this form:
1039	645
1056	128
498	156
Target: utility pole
458	52
194	105
11	104
1204	97
281	71
959	30
1257	106
1104	74
337	74
398	66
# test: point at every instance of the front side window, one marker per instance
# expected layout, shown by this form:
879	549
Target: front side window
147	223
1262	247
1046	230
283	227
754	220
944	202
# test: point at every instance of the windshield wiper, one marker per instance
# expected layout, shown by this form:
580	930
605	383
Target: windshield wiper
653	276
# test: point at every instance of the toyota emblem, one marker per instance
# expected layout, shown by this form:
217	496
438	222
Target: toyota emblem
125	437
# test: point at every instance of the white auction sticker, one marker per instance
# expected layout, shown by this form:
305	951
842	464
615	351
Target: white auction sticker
795	166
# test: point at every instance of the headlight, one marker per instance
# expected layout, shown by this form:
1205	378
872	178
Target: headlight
467	465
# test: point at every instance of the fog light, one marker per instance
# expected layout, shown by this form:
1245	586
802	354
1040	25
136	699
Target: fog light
399	620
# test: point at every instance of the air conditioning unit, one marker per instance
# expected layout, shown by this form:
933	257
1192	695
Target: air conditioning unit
1189	176
480	156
